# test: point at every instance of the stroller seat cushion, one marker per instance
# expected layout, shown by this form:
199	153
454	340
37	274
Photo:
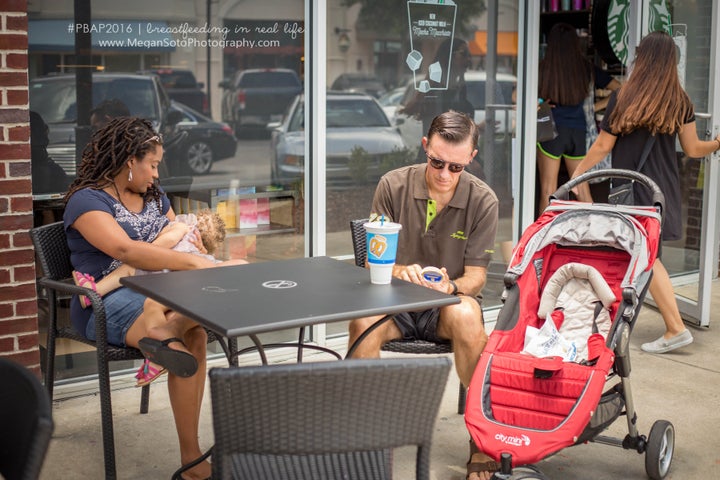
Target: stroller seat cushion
576	288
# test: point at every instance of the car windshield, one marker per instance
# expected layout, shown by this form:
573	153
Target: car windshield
345	113
355	113
177	79
55	100
268	79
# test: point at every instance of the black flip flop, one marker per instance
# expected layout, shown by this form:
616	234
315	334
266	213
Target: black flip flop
177	362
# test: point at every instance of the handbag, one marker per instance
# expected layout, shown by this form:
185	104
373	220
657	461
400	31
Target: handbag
546	129
625	194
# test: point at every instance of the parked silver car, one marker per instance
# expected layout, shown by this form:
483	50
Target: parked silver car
361	143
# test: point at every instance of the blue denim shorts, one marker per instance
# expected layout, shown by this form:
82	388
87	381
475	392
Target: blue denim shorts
122	307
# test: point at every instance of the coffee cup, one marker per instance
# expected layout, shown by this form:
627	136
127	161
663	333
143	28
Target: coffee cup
382	242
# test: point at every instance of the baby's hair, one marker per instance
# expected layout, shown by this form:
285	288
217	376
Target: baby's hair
212	229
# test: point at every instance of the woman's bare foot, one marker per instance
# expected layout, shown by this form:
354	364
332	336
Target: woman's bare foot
202	471
168	351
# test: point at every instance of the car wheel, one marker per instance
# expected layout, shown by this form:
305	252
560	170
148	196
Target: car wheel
199	157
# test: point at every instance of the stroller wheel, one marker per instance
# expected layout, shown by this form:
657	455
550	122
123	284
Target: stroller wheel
660	448
526	472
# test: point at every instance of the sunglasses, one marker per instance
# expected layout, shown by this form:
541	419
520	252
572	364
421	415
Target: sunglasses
155	138
440	164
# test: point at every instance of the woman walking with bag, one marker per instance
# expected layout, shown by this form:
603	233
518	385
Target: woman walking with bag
566	77
650	104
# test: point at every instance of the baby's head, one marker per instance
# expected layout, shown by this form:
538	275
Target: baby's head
212	229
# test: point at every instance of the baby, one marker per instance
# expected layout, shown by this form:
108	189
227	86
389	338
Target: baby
211	228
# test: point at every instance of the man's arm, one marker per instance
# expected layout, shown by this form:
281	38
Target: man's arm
472	281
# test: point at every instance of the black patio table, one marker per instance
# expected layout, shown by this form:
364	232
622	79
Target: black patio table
269	296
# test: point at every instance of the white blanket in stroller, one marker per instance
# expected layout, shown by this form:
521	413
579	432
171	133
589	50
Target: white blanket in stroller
576	288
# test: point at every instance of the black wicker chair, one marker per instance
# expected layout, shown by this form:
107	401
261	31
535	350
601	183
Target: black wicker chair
53	256
329	420
25	420
401	346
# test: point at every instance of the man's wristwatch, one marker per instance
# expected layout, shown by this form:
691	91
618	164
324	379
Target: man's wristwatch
454	288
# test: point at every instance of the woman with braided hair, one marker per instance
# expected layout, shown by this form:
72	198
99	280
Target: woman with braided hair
114	210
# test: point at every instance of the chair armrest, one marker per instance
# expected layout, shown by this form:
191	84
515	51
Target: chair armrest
67	286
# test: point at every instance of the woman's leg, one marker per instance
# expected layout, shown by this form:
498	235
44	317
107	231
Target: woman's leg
676	335
186	394
548	169
583	190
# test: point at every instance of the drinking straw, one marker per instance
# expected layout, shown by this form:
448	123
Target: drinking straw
382	220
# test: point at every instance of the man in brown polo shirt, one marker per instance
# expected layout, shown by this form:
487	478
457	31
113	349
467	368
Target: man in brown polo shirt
449	219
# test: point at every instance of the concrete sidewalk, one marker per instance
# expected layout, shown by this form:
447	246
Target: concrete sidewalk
682	387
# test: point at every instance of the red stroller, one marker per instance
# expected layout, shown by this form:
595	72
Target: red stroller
523	408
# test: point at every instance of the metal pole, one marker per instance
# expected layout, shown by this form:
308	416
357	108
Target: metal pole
207	56
83	77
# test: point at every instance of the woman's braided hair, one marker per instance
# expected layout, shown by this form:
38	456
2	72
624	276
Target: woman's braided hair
108	151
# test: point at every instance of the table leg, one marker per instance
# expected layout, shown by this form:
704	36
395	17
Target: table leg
367	332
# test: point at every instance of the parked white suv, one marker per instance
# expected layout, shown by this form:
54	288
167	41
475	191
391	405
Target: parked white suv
411	128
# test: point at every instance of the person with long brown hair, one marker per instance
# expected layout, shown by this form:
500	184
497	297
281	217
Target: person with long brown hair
565	79
114	210
652	102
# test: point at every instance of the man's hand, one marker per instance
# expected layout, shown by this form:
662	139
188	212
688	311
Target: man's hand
409	273
413	273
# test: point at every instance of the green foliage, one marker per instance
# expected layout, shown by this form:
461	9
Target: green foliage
360	161
399	157
385	16
358	164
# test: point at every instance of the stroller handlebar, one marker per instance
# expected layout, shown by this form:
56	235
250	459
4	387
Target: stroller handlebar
658	199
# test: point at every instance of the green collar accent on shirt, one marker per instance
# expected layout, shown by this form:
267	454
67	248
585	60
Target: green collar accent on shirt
430	212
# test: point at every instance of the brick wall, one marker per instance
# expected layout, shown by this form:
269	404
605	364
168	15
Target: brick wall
18	299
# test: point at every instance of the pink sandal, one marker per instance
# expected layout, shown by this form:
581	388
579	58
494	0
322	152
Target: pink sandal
147	374
84	280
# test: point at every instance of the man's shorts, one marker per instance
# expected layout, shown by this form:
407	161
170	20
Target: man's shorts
421	325
570	143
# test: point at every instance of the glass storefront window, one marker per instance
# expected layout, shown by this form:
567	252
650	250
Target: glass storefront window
375	54
187	67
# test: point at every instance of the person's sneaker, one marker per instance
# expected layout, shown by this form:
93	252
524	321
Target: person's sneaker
662	345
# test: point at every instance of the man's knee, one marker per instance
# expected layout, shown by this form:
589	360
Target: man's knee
463	321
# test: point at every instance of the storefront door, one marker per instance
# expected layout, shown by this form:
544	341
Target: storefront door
693	260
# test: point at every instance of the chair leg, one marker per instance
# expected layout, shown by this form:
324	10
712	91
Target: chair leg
461	399
144	399
233	349
50	347
50	363
107	418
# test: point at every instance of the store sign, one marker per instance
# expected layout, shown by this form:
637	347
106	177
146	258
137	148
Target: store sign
432	29
618	28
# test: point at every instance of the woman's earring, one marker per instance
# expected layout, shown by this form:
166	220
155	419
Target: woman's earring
130	175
